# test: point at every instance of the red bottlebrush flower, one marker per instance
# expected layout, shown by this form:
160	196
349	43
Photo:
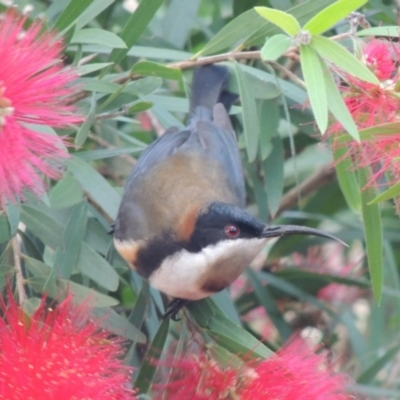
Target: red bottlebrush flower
372	105
59	354
198	377
33	89
379	59
295	372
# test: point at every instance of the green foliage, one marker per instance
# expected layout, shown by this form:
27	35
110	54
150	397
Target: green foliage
133	77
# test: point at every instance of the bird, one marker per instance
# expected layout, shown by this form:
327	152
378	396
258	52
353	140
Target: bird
182	223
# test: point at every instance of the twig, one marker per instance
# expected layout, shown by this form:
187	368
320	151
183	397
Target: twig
320	178
17	264
124	111
288	73
107	145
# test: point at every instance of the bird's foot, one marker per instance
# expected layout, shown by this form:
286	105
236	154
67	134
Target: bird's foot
174	307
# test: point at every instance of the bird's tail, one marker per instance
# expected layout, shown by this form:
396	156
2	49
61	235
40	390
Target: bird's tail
209	87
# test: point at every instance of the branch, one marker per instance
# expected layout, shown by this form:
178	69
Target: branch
16	249
320	178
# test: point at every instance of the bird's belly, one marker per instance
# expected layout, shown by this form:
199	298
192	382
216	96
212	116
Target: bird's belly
179	275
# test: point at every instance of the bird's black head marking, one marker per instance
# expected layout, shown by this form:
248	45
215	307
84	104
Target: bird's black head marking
222	221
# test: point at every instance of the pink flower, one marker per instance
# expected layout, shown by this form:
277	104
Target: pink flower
33	89
198	377
59	354
293	373
372	105
379	59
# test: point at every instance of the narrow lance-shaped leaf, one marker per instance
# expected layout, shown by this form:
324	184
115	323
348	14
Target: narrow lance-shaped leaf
250	117
316	87
391	31
150	68
135	26
331	15
70	14
275	46
226	333
98	36
388	194
96	186
347	179
66	256
373	235
148	367
342	58
285	21
337	106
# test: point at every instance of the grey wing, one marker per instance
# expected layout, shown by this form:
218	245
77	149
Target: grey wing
218	140
158	151
131	222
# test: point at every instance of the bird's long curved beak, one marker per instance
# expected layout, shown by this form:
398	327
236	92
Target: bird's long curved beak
283	230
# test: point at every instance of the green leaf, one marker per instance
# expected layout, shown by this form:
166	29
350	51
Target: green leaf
269	113
66	256
347	179
315	82
84	129
302	12
144	86
148	368
135	26
250	28
337	106
275	46
390	31
373	234
285	21
250	117
5	235
99	190
70	15
95	267
339	56
273	175
98	36
43	225
96	7
13	216
268	302
113	322
97	85
139	310
392	128
226	333
332	14
66	193
86	69
101	154
369	375
234	33
140	106
287	88
45	280
82	293
149	68
388	194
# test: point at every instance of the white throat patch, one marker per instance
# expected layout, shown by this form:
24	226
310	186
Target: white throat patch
184	274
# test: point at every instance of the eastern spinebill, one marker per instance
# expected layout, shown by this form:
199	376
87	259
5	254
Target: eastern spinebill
182	224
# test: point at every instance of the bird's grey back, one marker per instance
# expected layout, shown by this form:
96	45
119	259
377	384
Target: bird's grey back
185	166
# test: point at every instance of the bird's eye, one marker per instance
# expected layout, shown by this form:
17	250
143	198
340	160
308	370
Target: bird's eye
232	231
